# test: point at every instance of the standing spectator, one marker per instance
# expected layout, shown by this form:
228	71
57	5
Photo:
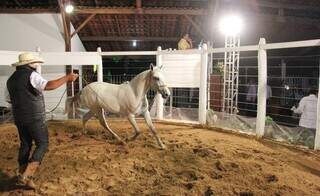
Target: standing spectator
308	110
251	98
185	43
269	94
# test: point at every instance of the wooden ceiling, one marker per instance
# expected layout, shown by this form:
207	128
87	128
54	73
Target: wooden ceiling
113	24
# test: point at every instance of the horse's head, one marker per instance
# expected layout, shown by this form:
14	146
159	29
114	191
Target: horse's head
157	81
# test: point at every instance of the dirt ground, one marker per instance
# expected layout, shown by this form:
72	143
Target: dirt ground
197	162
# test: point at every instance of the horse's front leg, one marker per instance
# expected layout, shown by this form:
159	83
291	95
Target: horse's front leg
133	122
148	120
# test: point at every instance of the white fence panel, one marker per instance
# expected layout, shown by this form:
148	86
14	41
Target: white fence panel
70	58
182	70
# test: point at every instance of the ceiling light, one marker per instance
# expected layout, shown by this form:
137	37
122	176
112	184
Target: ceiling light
231	25
134	43
69	8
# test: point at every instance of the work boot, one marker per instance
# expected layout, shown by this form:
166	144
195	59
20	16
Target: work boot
21	169
26	179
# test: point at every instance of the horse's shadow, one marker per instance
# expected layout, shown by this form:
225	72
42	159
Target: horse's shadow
8	183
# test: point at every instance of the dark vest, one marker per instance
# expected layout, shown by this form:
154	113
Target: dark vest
27	102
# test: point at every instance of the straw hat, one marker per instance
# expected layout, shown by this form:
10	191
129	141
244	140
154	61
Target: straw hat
27	58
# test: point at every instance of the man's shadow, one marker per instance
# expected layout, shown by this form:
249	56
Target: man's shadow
8	183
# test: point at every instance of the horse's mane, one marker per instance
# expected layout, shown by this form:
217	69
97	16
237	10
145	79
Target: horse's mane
140	75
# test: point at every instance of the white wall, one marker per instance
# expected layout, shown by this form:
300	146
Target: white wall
26	32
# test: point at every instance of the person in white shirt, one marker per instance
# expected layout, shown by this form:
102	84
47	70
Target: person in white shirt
308	110
251	98
252	92
308	120
269	93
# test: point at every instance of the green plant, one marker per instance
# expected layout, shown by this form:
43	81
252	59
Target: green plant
218	68
269	120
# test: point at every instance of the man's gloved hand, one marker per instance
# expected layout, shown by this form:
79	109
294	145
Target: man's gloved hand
293	108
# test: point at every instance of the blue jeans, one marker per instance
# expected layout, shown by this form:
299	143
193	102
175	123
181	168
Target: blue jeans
28	132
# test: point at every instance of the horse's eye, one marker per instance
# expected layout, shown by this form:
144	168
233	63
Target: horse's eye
155	78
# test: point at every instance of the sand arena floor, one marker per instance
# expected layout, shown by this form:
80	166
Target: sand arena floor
197	162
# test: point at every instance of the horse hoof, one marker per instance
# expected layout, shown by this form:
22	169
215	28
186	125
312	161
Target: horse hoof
120	142
123	148
132	138
163	147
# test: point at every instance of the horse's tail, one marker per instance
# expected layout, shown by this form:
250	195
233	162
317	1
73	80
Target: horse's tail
70	101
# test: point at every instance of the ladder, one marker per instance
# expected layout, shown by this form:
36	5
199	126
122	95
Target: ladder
231	76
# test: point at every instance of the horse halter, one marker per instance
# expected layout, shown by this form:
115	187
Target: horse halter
159	86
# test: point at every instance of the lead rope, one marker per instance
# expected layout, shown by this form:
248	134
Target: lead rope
59	102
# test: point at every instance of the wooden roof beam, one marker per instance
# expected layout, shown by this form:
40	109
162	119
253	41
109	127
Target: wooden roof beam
28	10
83	24
95	10
139	6
284	19
117	38
270	4
150	11
66	27
290	6
196	27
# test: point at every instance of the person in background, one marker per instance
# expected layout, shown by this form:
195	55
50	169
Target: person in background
308	110
185	43
251	98
269	94
25	89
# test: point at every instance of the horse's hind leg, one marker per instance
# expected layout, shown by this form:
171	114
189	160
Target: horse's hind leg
135	127
148	120
85	119
103	122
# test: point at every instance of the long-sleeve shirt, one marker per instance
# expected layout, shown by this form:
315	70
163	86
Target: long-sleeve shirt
308	110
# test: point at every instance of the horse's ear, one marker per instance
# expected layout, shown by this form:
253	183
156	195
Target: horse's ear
151	66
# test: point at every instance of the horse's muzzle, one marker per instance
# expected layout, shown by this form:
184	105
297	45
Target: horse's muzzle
165	93
165	96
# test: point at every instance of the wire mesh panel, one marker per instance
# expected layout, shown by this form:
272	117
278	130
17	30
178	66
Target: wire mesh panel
5	72
291	107
292	110
245	116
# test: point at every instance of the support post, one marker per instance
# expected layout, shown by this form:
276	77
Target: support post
317	136
262	89
203	85
99	66
38	50
159	99
80	78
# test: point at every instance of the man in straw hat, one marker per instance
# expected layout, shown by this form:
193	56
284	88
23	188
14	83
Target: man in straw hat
25	87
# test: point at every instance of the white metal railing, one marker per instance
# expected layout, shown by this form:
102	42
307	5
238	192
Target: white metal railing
261	48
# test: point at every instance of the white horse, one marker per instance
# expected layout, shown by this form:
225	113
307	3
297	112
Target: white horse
127	99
